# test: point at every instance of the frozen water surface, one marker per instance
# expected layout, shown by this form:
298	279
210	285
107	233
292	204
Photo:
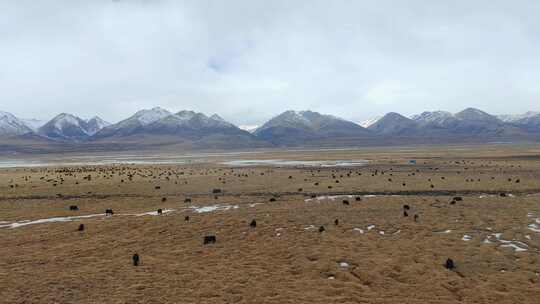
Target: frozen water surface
295	163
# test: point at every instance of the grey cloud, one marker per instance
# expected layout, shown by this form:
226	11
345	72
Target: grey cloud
249	60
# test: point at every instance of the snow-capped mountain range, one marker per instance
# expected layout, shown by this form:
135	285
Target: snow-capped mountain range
290	128
70	127
308	120
11	125
95	124
517	117
158	121
469	123
63	126
436	118
466	119
146	117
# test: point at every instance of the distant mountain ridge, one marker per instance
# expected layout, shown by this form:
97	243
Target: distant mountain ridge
468	123
159	121
157	126
393	124
11	125
134	123
95	124
517	117
292	127
70	127
530	123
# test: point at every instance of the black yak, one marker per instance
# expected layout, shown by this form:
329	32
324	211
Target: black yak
209	239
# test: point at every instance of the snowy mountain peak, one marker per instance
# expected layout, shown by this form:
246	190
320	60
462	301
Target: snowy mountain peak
8	117
435	118
287	119
297	126
65	126
475	114
146	117
213	121
186	115
11	125
65	119
517	117
393	123
310	122
218	118
7	114
191	120
394	116
94	124
432	116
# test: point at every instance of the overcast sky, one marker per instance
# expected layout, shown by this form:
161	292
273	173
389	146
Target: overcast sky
250	60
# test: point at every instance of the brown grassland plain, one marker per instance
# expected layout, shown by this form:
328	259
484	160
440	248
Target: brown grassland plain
374	254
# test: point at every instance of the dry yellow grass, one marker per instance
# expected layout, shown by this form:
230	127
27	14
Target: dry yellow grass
285	259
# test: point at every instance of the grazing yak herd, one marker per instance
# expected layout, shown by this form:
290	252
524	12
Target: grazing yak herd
407	178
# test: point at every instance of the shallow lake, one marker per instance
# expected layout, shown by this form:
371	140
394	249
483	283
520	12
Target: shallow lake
295	163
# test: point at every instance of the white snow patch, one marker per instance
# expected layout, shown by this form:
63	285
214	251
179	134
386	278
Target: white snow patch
21	223
534	227
368	122
486	196
213	208
359	230
49	220
515	247
155	212
249	128
466	238
445	231
328	197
